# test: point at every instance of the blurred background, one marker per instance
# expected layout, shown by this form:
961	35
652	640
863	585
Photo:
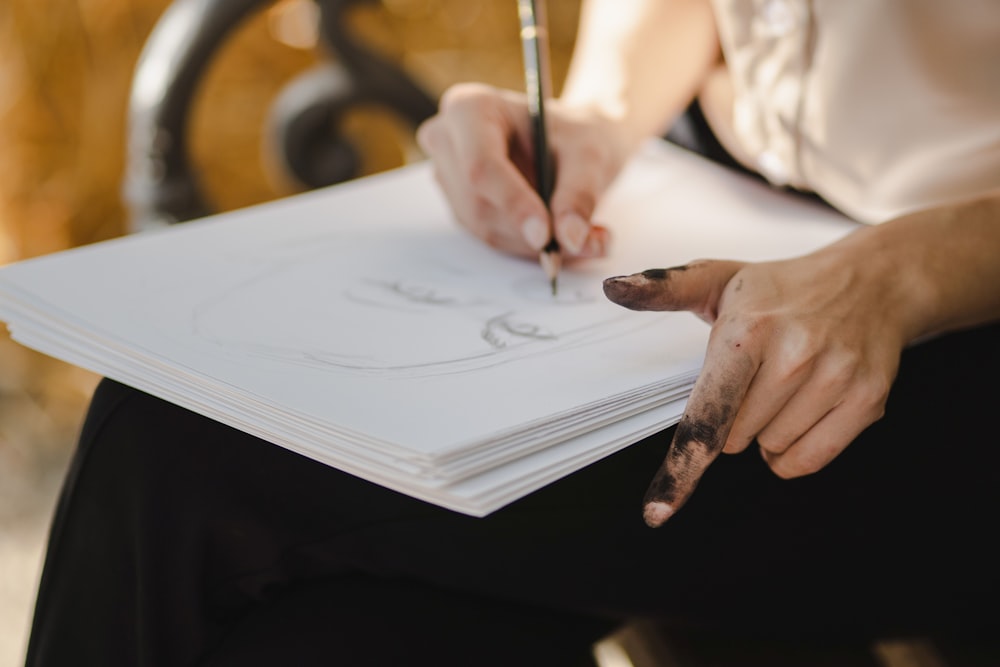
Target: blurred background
66	70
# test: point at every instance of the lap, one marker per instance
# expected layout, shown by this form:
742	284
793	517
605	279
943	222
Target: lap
895	533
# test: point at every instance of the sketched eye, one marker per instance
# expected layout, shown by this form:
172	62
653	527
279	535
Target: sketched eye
422	294
397	294
500	331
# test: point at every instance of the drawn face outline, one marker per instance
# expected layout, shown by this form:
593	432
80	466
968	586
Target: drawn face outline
435	323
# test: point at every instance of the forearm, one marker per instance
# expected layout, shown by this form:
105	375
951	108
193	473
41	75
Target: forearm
641	61
940	266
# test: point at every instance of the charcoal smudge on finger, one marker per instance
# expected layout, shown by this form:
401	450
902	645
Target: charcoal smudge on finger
663	274
640	291
647	290
687	457
623	291
697	441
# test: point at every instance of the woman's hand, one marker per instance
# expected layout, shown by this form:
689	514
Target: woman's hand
480	144
801	357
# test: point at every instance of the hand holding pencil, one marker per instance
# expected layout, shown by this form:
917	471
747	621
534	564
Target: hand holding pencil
480	145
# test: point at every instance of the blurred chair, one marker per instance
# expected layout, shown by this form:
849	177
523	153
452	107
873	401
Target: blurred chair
161	183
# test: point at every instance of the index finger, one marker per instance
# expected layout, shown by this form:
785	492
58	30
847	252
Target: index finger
483	128
702	431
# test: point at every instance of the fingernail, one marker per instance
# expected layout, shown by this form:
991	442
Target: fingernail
597	245
656	513
574	231
625	291
535	232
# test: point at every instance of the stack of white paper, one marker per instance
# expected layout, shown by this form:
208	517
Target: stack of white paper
359	326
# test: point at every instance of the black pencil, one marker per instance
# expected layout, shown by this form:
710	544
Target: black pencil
534	41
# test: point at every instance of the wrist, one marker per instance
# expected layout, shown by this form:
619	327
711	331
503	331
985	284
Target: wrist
609	115
937	267
886	278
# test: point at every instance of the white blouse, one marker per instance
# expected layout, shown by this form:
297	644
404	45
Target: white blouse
879	106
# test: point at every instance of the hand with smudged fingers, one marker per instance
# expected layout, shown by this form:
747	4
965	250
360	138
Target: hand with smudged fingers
480	146
801	357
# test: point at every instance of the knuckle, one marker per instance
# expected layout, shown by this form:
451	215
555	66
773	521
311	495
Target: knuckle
871	395
838	371
744	329
481	211
793	364
837	382
841	367
464	96
774	443
800	349
482	171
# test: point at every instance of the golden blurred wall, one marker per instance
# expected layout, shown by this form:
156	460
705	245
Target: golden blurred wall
65	73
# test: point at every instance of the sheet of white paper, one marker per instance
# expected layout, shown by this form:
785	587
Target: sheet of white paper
359	326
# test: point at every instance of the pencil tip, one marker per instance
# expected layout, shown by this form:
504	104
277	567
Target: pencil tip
551	264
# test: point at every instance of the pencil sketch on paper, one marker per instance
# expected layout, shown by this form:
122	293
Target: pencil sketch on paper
337	312
498	331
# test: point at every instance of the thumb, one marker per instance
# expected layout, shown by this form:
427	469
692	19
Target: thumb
696	287
579	186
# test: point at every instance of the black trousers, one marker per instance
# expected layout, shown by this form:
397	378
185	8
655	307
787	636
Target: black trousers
180	541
